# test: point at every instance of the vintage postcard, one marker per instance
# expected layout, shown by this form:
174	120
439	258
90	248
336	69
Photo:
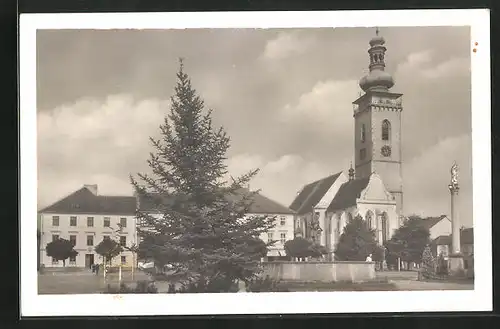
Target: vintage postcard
255	163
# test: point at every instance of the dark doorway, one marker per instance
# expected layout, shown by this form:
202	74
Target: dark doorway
89	260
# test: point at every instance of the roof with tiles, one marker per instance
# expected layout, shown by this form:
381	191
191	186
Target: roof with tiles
261	204
312	193
429	222
84	201
348	193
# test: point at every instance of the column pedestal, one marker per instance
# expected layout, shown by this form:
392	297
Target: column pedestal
456	265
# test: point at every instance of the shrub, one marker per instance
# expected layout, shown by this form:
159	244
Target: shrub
203	286
142	287
265	285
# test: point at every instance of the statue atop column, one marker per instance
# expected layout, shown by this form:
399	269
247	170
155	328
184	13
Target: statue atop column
454	175
456	259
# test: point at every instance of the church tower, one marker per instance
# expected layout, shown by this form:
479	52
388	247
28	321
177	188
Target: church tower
377	123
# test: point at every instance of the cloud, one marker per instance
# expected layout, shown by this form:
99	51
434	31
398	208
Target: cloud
426	178
422	65
282	177
286	44
327	103
94	141
452	67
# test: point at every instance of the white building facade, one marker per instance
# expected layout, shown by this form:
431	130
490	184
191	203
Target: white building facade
86	218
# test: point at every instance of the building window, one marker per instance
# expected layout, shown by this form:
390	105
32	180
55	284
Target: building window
269	236
90	221
386	130
55	220
72	221
282	220
123	260
72	260
106	237
55	237
72	239
283	238
362	154
90	240
123	241
107	221
363	133
123	222
369	220
385	228
54	261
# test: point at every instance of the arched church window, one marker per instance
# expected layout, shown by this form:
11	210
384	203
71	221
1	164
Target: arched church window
385	228
363	133
349	217
369	219
386	130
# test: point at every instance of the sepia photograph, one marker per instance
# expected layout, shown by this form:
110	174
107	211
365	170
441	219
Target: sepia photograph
249	167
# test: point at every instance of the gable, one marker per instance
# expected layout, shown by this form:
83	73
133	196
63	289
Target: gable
375	190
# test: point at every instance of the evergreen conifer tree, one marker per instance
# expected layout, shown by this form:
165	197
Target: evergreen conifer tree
201	228
428	262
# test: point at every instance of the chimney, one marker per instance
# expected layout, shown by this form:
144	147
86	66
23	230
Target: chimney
92	188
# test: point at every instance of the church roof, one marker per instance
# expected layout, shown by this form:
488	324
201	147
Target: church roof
348	193
83	201
312	193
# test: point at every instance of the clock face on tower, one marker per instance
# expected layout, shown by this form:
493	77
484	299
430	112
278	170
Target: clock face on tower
386	151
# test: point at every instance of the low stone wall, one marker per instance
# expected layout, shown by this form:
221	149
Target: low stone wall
320	271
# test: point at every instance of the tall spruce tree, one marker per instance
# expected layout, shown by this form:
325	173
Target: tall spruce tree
196	219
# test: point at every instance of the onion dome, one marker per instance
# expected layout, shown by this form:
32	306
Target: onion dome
377	79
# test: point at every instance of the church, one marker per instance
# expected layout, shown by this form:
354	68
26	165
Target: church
373	189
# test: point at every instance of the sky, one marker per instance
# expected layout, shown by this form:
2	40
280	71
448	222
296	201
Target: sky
284	96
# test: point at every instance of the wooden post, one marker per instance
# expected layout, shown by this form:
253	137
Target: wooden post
133	265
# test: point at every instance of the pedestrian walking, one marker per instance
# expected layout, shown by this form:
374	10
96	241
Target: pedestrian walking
97	269
92	267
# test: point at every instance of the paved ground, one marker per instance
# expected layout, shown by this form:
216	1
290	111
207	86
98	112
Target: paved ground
422	285
85	282
394	275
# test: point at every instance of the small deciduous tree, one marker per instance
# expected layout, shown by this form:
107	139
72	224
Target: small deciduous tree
61	249
302	248
298	247
108	249
356	242
408	242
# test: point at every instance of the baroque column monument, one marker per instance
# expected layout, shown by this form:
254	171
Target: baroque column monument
456	258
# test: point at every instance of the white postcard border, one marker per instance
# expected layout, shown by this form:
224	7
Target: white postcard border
480	299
